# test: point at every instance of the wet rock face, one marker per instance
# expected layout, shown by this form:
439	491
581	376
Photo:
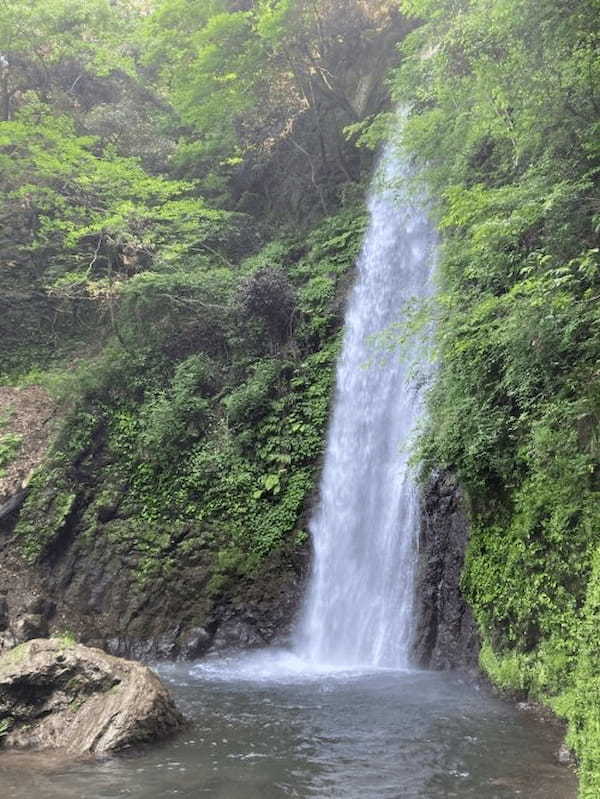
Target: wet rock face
24	611
90	587
446	636
29	413
54	694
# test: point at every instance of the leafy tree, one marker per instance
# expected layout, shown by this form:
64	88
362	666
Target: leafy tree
79	222
504	120
242	79
60	50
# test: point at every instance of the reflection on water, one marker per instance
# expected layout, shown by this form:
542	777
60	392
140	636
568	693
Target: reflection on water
264	728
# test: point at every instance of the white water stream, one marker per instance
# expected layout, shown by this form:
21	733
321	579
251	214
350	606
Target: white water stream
359	605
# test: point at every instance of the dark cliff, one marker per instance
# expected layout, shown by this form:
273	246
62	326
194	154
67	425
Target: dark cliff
446	636
90	590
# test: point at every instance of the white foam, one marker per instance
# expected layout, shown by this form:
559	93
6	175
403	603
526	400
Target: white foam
277	665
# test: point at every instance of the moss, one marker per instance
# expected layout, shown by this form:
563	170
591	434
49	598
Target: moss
14	656
45	512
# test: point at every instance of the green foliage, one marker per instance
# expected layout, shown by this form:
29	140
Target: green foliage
240	78
170	417
94	213
509	672
504	122
10	444
581	703
247	403
88	200
67	639
207	58
33	27
203	442
101	107
5	726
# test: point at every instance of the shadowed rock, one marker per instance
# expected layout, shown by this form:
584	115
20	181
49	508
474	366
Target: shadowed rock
55	694
446	635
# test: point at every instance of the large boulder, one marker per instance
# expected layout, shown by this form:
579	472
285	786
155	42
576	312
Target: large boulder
57	694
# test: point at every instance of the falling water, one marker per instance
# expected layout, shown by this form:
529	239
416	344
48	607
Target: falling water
359	605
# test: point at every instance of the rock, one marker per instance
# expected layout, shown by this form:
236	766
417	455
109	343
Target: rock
40	606
446	636
13	504
235	632
195	642
31	625
565	756
528	707
91	586
56	694
4	614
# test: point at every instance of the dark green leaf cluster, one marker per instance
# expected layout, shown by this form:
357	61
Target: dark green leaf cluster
504	121
204	439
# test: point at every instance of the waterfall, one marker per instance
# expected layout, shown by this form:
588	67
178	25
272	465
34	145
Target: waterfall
359	604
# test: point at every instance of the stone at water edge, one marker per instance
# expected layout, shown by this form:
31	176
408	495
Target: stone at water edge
565	756
58	695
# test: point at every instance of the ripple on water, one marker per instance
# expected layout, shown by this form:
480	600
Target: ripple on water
267	726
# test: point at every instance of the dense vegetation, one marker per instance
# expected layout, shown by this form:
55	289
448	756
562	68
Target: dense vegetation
143	143
180	212
505	120
206	430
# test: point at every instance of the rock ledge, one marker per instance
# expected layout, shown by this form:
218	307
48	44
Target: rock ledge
56	694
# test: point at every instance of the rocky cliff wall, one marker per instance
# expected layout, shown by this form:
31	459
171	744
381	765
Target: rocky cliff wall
446	636
91	590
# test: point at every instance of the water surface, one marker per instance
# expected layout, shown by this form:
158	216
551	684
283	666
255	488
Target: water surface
265	728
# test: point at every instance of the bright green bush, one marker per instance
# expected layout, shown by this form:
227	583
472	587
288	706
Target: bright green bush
504	123
213	451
